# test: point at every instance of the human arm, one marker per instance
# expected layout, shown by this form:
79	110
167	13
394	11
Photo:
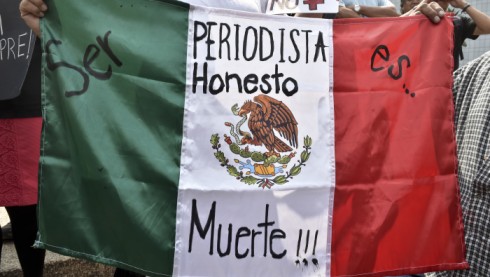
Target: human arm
384	8
31	11
373	11
482	20
345	12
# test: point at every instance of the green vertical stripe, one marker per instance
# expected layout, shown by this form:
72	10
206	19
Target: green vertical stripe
111	155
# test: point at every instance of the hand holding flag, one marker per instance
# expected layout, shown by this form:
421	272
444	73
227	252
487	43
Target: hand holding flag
429	8
31	11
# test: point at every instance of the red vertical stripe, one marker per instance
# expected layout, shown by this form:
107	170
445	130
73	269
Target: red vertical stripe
396	199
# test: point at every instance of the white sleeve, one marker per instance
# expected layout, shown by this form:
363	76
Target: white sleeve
384	3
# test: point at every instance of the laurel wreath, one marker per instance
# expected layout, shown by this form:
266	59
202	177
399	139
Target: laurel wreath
260	157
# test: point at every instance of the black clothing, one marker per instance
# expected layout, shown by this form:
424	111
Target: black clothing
125	273
24	230
28	103
464	27
329	16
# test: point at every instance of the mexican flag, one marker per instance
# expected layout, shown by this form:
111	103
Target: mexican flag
192	141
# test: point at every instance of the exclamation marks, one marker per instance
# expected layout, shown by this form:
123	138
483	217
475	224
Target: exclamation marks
29	47
303	247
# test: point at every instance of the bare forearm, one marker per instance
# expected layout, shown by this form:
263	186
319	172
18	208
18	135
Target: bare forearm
346	13
481	20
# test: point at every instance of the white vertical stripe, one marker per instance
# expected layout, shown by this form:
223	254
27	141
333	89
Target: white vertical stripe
298	209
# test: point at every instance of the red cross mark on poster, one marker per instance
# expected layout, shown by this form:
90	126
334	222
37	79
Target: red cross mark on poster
313	4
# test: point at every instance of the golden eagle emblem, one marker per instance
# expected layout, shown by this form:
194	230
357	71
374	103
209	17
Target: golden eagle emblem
266	115
272	125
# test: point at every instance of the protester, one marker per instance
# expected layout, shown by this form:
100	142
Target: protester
20	132
407	5
367	8
472	121
469	24
24	229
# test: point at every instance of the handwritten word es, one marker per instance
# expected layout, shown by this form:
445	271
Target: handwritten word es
383	52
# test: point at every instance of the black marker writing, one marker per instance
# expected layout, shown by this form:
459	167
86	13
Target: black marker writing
395	71
244	235
250	83
249	43
92	52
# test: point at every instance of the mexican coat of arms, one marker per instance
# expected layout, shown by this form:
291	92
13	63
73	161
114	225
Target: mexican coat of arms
268	120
